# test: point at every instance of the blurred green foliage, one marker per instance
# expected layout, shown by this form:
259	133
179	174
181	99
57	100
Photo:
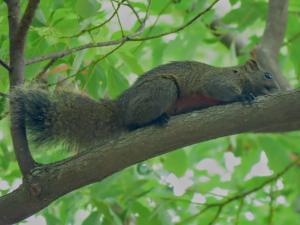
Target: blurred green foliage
175	187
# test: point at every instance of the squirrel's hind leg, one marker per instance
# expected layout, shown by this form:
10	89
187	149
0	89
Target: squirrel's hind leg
148	102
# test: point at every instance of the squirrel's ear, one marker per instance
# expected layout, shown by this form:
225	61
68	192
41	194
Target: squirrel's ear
251	65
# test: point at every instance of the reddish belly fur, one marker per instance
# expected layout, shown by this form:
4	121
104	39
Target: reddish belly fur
186	104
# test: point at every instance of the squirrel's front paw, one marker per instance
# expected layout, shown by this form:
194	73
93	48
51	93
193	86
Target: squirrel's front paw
247	99
162	120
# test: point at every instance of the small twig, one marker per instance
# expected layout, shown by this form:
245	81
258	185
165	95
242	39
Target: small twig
154	23
179	28
3	95
242	194
118	41
93	64
216	215
40	75
128	4
118	18
271	204
5	65
143	24
140	29
97	26
133	10
3	115
227	38
238	213
182	200
293	38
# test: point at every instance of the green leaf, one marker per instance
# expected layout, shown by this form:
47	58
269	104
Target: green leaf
146	216
109	216
92	219
277	155
2	104
77	62
233	2
116	82
58	4
87	8
39	15
176	162
247	14
4	163
132	62
248	159
96	82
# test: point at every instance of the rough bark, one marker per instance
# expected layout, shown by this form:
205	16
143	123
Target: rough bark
18	29
278	112
45	183
267	51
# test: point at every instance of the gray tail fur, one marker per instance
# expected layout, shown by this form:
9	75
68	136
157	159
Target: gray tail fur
35	107
65	117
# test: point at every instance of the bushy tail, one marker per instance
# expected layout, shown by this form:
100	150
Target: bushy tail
35	106
73	119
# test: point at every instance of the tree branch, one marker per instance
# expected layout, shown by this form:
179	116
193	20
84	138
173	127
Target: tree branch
97	26
268	50
50	182
13	17
132	10
118	41
3	95
293	38
275	26
238	196
2	63
17	36
25	22
227	38
118	17
91	65
179	28
40	76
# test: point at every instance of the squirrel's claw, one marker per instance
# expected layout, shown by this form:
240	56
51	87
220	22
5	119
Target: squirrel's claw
162	120
247	99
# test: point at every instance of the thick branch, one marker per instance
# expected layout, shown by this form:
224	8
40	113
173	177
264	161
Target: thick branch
52	181
17	37
13	17
25	22
268	50
275	26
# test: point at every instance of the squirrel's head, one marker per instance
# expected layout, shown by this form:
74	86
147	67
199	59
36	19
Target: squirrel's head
260	81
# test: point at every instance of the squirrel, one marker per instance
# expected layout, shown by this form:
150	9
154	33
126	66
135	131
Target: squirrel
167	90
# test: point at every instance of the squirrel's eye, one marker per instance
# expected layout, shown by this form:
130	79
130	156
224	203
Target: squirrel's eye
268	76
235	71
